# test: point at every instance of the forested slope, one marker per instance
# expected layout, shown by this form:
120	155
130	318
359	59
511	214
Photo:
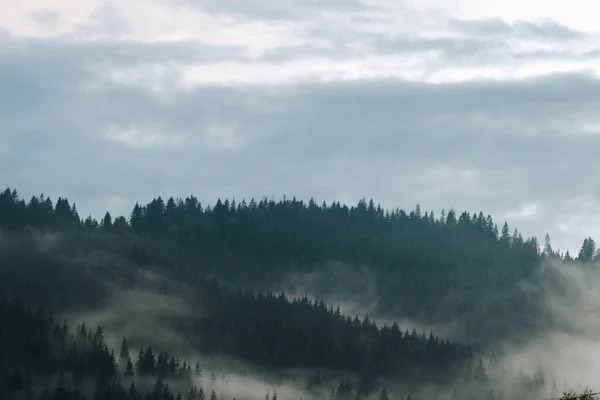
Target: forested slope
221	261
456	268
42	358
259	327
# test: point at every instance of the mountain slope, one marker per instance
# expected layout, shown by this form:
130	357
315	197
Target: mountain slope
459	269
213	267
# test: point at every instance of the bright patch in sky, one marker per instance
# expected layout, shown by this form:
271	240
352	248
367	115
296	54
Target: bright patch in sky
525	211
420	41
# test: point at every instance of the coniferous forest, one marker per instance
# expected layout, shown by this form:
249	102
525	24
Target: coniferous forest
230	265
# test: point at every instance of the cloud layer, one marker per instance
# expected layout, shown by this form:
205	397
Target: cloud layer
471	105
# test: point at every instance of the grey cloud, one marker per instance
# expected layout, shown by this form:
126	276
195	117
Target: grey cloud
473	51
288	53
391	140
106	18
454	51
72	54
384	138
450	51
549	55
46	18
481	42
281	10
500	27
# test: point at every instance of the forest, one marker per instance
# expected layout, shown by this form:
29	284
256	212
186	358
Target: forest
233	265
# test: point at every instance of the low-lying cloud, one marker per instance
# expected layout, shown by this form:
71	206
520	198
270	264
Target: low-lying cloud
568	346
144	313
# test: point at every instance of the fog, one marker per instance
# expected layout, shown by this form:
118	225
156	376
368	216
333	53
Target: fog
568	345
150	309
354	291
149	314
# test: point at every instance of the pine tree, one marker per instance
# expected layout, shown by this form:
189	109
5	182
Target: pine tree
132	392
129	368
505	235
192	393
587	251
106	224
112	362
548	252
139	364
383	395
149	361
124	352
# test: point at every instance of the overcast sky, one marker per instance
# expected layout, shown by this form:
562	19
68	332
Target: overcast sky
489	105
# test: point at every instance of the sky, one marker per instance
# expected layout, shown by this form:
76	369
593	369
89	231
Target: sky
480	105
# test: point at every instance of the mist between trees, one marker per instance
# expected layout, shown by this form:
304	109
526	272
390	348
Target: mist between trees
195	280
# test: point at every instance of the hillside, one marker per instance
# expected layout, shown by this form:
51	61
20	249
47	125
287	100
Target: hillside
458	269
41	359
213	270
261	328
